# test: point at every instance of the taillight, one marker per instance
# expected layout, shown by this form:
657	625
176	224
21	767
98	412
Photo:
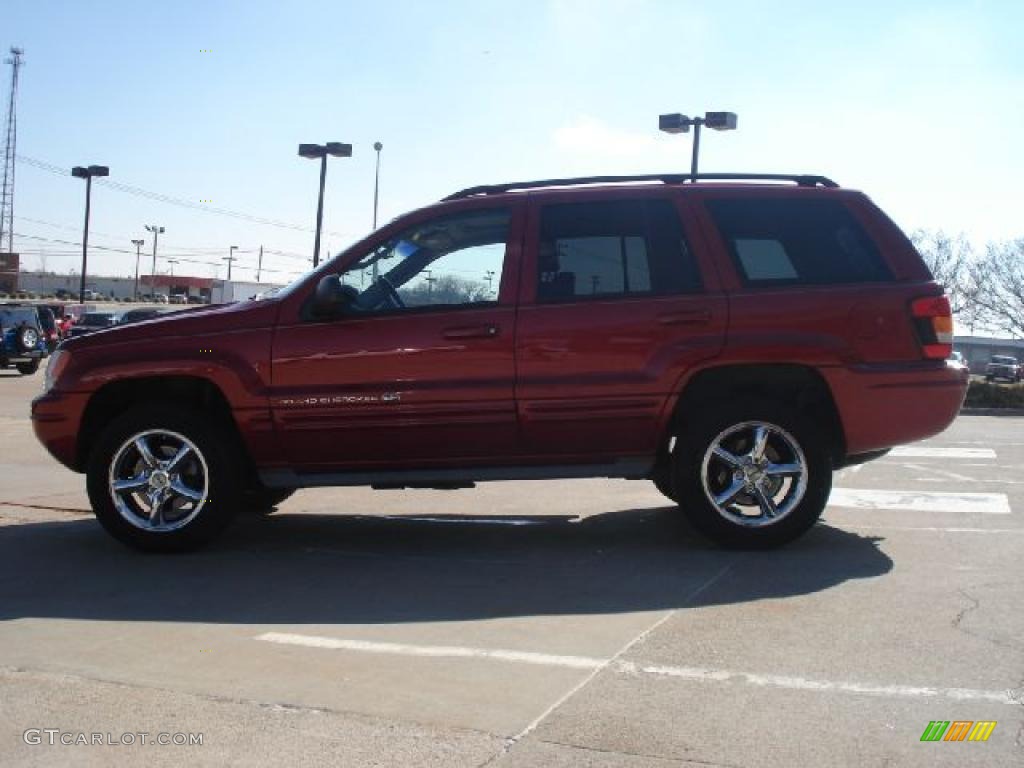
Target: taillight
933	321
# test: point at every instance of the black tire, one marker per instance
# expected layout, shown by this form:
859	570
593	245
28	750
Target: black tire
664	481
262	501
222	471
697	439
28	368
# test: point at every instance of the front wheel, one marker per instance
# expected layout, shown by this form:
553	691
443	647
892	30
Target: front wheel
752	476
164	479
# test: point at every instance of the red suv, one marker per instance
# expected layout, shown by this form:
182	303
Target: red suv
733	339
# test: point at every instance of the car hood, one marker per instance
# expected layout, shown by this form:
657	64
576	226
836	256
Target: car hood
213	318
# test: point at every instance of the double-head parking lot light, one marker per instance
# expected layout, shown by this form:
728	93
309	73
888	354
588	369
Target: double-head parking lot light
677	123
311	152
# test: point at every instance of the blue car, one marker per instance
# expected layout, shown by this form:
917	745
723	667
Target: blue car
22	341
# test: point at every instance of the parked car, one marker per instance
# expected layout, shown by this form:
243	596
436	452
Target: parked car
48	325
143	313
733	342
91	322
22	341
193	299
160	298
178	298
956	359
1004	367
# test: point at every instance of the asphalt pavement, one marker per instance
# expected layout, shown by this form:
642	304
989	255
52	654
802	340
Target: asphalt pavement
558	623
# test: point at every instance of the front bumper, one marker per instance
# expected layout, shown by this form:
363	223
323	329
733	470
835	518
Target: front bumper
885	405
56	418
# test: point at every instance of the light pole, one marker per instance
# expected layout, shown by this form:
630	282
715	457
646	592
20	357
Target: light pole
677	123
172	262
230	259
377	146
489	277
87	174
138	252
157	231
312	151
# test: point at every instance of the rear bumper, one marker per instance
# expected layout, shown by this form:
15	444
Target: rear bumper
56	417
23	357
882	406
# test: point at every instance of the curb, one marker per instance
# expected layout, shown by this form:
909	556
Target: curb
992	411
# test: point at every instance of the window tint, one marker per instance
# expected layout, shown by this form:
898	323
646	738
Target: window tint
775	240
612	248
450	261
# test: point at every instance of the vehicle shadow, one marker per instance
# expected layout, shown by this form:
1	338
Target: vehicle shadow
321	569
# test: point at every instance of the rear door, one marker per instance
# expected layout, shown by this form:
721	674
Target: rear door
618	303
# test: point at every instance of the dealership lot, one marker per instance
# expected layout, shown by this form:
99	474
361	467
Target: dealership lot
554	623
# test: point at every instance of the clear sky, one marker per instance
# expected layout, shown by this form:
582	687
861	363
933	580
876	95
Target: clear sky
920	104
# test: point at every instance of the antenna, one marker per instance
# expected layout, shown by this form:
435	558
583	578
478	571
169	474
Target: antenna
7	188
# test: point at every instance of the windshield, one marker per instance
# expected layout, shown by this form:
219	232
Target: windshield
1004	360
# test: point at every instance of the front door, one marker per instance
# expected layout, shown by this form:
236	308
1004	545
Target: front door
418	372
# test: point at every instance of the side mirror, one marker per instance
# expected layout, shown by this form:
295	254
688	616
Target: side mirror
332	298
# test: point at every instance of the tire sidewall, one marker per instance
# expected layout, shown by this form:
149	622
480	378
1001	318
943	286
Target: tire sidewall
687	468
223	478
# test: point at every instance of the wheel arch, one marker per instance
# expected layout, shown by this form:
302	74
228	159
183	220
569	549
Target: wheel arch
801	387
114	398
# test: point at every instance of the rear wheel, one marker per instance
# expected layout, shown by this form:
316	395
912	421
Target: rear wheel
28	368
163	479
752	475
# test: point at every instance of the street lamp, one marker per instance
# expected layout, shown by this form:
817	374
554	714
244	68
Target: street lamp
138	251
230	259
676	123
157	231
172	262
377	146
87	173
313	151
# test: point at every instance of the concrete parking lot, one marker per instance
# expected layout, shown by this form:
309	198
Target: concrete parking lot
523	624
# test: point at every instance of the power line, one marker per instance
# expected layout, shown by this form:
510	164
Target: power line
169	200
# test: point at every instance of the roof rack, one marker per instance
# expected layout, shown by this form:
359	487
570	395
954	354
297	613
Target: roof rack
802	180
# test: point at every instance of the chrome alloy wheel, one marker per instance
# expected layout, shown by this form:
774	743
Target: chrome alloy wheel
158	480
754	473
30	338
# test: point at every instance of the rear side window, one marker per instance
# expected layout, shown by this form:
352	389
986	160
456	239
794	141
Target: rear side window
787	241
613	248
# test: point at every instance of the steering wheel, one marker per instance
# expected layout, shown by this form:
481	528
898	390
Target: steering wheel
392	293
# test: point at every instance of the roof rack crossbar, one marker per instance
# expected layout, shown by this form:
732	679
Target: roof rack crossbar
801	179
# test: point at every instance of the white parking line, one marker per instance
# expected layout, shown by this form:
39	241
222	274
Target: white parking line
695	674
434	651
930	452
921	501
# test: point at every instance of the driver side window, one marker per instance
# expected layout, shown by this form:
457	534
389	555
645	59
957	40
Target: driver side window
450	261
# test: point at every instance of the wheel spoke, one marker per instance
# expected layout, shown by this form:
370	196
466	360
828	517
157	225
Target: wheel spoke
147	456
730	493
130	483
760	441
184	451
783	470
765	503
156	507
183	490
731	459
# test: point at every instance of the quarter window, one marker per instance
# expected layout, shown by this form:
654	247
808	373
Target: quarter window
612	248
775	240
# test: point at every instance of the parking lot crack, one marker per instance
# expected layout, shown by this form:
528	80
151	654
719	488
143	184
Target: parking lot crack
684	761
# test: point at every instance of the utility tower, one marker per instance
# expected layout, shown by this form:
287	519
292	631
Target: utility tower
7	190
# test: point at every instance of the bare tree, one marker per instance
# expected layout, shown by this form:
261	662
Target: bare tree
1000	277
951	260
